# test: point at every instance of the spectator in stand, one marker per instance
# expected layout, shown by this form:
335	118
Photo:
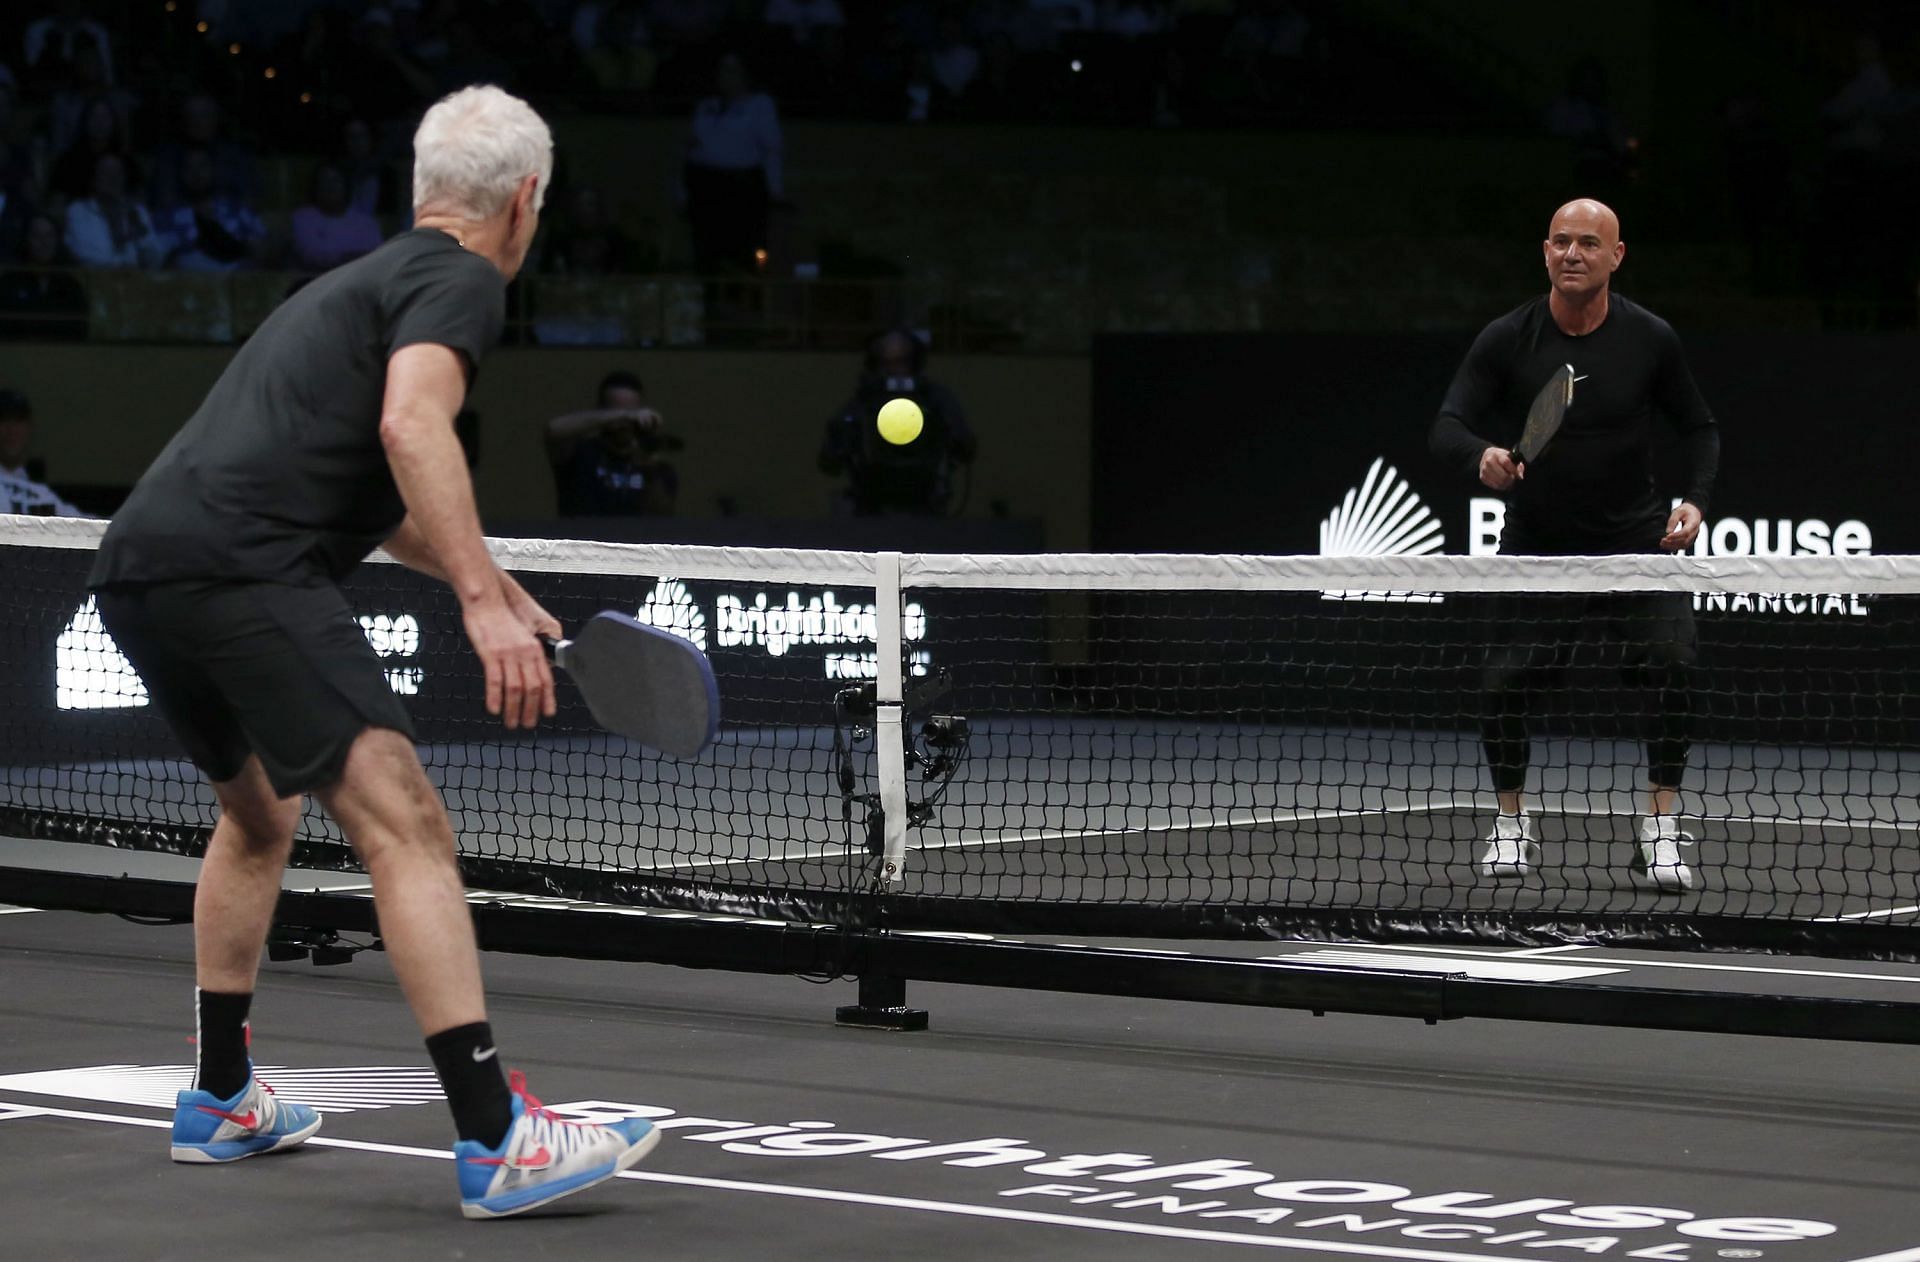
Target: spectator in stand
235	171
1269	29
587	23
956	62
1856	115
611	461
314	59
103	132
36	302
799	19
923	94
1133	19
210	231
109	228
387	83
733	171
370	181
584	241
53	41
427	36
18	191
619	54
1055	16
1266	59
21	490
88	81
329	230
470	61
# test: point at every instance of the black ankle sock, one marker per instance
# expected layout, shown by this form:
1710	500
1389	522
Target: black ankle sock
221	1038
476	1087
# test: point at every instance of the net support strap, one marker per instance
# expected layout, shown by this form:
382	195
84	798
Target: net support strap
889	741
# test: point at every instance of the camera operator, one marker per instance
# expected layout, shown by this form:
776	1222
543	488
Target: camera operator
914	477
610	461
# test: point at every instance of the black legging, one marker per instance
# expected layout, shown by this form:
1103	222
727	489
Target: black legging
1650	636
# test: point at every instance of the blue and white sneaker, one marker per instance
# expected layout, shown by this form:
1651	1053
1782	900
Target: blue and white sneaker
209	1129
544	1158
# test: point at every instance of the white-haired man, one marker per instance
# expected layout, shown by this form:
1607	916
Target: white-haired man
332	432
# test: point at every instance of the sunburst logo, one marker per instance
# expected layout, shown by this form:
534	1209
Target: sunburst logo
90	671
1381	517
330	1090
672	608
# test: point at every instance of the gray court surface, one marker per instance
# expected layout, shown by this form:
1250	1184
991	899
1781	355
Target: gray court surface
1020	1125
1024	1125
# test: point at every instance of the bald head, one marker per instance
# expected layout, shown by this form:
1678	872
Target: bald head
1583	250
1586	213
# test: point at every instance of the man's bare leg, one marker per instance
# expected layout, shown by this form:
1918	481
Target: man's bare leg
1663	800
232	910
1510	803
240	880
396	822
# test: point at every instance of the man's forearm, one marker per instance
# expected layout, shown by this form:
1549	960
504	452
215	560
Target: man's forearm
1703	454
410	548
442	527
1452	443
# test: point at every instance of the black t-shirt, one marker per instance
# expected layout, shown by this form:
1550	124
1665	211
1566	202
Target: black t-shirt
281	474
594	482
1593	488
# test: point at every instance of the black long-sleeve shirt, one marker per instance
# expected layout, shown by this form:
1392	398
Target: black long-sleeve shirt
1592	490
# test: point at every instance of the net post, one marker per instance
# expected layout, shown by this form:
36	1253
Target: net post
882	1005
882	1001
889	744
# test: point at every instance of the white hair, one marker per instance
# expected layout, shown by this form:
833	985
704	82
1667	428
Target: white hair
472	150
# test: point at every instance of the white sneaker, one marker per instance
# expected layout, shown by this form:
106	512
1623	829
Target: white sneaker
544	1158
1511	850
1656	857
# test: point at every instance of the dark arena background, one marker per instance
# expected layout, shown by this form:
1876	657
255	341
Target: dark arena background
1098	856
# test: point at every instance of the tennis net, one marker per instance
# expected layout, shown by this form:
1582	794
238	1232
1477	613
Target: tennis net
1137	746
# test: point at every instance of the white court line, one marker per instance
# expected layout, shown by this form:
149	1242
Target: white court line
954	1208
1277	815
1631	964
1555	950
1866	915
838	850
1904	1255
18	911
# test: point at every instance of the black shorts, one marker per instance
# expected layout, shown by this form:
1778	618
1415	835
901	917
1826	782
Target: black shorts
271	669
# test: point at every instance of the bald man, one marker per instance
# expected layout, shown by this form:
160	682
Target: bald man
1590	493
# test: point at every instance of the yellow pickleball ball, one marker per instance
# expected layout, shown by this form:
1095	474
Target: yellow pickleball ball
900	421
